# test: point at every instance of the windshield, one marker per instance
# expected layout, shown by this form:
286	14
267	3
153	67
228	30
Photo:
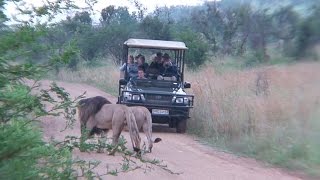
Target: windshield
153	62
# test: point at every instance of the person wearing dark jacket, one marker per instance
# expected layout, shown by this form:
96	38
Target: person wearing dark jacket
168	67
154	69
156	61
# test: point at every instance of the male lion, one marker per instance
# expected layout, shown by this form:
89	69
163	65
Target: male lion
110	116
89	106
142	117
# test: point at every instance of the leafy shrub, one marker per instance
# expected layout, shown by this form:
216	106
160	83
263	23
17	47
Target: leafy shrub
198	47
23	154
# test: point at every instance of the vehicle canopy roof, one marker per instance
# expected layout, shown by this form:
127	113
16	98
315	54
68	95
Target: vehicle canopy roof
155	44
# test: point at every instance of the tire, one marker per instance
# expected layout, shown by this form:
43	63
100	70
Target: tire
181	126
172	123
119	99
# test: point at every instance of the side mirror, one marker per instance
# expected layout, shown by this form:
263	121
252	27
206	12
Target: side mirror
187	85
123	82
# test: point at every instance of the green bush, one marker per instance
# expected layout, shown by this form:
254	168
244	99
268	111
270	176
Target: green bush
198	47
23	154
308	33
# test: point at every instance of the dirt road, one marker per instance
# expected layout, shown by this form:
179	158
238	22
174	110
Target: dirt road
181	153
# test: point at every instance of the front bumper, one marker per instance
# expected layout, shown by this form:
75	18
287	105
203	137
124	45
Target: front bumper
164	103
173	111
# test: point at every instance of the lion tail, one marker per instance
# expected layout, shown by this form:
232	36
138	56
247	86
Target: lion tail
147	128
133	130
149	121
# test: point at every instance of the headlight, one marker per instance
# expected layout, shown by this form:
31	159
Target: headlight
185	100
179	100
127	96
143	98
135	97
131	97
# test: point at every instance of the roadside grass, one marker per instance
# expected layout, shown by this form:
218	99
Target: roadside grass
102	75
223	64
271	113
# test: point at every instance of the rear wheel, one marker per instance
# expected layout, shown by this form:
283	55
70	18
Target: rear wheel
181	125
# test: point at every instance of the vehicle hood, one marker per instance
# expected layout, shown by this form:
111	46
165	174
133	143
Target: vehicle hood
153	89
159	87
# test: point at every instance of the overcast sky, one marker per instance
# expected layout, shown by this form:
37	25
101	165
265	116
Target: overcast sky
149	4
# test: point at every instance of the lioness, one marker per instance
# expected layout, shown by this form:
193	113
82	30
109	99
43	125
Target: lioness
144	122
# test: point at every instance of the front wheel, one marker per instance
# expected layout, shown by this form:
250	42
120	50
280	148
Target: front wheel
119	100
181	126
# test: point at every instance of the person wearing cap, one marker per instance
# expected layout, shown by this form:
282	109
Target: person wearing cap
154	69
168	68
156	61
136	58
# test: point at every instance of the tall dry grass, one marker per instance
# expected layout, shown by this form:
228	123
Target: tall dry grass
104	77
271	113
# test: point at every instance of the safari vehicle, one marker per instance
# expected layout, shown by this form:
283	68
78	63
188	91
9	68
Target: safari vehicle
166	99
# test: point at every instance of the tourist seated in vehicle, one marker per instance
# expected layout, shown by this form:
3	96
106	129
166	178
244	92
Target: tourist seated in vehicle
156	61
168	69
142	63
136	58
154	69
141	74
131	67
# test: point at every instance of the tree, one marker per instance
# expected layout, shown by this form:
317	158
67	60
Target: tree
117	26
308	32
107	14
153	28
115	16
23	153
260	30
141	10
197	48
83	17
284	26
209	22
